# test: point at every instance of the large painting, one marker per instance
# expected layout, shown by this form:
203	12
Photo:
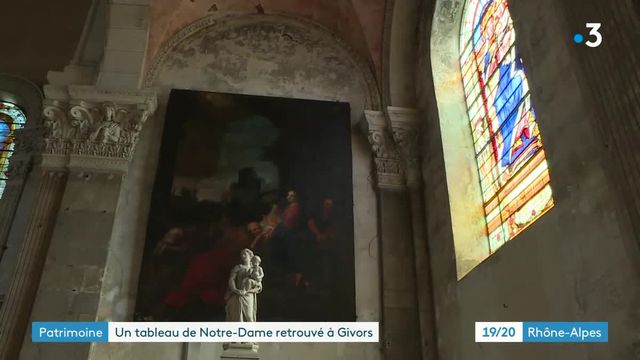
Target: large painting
269	174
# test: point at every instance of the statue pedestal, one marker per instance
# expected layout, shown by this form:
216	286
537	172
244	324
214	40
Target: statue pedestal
240	351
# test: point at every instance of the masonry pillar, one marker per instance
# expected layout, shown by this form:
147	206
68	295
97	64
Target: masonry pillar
101	130
15	311
405	129
400	329
91	135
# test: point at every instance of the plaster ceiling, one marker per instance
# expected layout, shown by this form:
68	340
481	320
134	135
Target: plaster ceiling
40	35
359	23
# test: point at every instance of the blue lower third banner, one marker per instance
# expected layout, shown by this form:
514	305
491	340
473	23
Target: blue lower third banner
542	332
70	332
565	332
289	332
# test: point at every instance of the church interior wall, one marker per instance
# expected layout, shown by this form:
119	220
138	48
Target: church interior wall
576	261
279	68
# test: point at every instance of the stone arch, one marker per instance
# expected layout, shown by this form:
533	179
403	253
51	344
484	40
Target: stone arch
23	93
286	57
400	53
462	179
316	40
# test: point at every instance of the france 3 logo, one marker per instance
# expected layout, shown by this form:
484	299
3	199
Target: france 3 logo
594	33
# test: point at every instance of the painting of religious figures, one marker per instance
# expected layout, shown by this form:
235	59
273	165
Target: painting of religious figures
236	172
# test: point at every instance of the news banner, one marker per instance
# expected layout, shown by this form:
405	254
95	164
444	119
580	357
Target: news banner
291	332
148	332
542	332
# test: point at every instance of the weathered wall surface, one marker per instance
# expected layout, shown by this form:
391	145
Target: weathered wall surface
69	288
357	22
578	262
610	75
263	55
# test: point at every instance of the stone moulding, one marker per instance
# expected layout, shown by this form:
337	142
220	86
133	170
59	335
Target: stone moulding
94	123
389	172
97	164
219	24
405	128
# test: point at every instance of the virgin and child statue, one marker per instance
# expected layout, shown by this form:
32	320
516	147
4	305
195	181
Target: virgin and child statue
245	283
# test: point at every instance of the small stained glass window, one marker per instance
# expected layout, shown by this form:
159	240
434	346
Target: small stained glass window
11	119
514	176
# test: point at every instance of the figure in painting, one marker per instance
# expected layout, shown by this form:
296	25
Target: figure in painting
324	231
172	241
254	181
292	212
270	221
203	281
256	234
321	225
245	283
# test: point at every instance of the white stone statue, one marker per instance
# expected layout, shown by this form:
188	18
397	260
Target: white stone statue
55	129
245	283
109	130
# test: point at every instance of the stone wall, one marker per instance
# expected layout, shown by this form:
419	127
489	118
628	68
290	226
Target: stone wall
610	76
263	55
577	262
89	136
357	22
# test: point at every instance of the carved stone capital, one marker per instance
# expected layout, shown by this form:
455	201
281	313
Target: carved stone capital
405	127
389	174
94	123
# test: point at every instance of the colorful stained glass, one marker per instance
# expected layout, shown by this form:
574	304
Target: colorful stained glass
514	175
11	118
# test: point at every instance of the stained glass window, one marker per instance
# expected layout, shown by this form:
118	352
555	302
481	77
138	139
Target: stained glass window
11	118
514	176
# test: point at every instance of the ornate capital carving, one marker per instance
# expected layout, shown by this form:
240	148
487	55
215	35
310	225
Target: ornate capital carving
405	127
89	122
389	173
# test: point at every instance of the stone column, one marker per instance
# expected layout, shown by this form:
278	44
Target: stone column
400	329
102	130
20	165
405	127
91	136
15	312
